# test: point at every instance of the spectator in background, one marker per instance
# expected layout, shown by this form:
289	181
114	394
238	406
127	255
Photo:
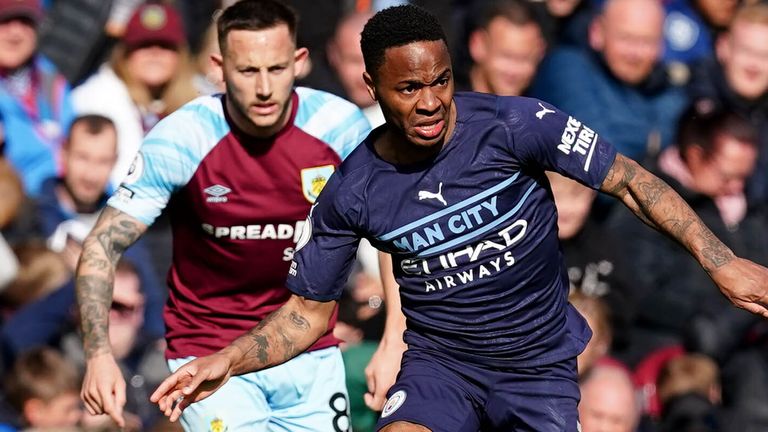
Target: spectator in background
34	98
43	388
506	45
346	60
690	28
688	388
69	205
148	77
608	401
708	167
738	81
618	87
689	373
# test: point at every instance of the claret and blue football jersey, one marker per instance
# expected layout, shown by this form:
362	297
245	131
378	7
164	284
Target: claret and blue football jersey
237	205
472	232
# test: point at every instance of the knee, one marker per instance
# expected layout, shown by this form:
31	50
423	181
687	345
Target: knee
402	426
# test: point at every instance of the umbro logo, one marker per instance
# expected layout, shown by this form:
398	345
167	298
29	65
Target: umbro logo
433	195
216	193
544	111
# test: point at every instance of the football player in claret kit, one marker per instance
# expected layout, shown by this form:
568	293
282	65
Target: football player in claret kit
453	186
238	173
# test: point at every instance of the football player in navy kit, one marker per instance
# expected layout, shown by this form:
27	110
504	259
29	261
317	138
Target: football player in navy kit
453	186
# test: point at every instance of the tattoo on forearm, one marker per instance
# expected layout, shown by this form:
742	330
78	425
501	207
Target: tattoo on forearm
651	192
677	228
299	321
94	294
117	235
276	335
624	169
713	250
114	232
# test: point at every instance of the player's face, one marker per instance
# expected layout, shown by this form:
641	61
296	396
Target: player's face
88	162
414	87
18	40
259	68
744	56
507	56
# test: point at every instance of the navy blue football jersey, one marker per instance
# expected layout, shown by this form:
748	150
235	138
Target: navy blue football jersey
472	232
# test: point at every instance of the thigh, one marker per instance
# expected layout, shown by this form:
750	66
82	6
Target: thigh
239	405
428	395
540	399
308	393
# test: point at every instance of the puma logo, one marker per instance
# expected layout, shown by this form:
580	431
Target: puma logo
544	111
433	195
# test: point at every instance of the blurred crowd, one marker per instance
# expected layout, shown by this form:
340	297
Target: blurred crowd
678	85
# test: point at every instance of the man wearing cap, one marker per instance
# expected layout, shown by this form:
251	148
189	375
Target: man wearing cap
34	97
237	173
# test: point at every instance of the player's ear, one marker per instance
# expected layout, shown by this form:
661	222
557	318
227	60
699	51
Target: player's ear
369	85
218	67
301	59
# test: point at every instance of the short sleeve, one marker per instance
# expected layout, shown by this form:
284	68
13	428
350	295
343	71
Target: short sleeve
541	135
327	247
168	157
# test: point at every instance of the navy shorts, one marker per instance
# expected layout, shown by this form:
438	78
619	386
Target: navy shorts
446	395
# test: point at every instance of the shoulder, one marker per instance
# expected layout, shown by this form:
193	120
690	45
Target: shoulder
331	119
484	107
361	162
318	107
201	119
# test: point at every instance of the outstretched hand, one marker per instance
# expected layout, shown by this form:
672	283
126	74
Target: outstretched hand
745	284
192	382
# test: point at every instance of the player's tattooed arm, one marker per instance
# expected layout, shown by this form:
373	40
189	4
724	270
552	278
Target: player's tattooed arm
654	201
114	232
282	335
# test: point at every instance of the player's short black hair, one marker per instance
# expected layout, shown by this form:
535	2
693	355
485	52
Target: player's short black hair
397	26
255	15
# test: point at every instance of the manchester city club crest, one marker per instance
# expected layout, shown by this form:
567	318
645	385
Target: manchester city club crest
313	181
